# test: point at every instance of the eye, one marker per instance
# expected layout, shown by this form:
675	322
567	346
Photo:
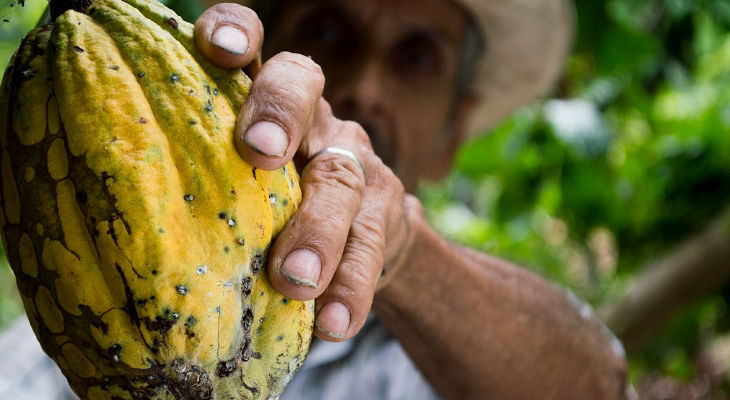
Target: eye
324	32
418	55
322	29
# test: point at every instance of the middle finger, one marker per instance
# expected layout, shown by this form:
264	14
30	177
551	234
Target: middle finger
309	248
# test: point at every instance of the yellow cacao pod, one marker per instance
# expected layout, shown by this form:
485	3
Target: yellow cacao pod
136	233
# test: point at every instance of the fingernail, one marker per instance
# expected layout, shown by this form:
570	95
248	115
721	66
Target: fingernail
333	320
230	39
302	267
267	138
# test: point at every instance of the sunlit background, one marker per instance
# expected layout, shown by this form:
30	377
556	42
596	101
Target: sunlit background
599	186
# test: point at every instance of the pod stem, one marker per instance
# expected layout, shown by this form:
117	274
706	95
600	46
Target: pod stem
59	7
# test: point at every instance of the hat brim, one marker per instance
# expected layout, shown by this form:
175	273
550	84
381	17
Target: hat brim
527	42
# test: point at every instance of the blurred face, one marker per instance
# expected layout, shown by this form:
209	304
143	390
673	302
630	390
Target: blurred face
390	65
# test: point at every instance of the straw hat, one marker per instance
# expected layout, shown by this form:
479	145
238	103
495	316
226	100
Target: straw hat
527	42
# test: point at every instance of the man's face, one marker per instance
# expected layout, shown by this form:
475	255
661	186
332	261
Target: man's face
390	65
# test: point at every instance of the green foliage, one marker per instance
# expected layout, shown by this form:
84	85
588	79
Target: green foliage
16	19
631	156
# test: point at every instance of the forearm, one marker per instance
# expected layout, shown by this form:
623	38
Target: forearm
480	328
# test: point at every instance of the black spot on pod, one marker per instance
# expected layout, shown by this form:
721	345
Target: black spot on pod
172	22
246	286
257	262
82	197
247	320
189	323
208	107
222	215
140	75
114	352
181	289
174	77
246	351
188	197
189	381
226	368
240	241
27	74
78	49
284	301
253	171
215	92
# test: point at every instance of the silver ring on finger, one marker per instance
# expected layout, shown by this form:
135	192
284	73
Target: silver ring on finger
339	151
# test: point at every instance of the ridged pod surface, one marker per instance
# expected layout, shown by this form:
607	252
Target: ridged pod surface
136	232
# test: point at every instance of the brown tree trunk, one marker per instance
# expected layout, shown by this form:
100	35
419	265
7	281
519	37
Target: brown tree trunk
695	268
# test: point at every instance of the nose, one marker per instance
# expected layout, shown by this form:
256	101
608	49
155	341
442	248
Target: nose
358	94
361	95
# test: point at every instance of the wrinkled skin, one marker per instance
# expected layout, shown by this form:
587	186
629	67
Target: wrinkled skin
358	239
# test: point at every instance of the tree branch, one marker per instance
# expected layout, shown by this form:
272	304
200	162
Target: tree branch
695	268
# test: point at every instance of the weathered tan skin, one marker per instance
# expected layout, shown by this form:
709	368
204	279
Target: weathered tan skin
135	230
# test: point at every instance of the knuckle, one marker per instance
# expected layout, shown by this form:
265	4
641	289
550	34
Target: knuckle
339	170
272	97
392	182
325	108
303	63
356	132
355	284
382	177
367	235
412	204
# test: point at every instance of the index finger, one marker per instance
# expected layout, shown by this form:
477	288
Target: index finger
229	35
279	111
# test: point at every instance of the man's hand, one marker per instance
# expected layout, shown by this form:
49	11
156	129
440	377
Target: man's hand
352	221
